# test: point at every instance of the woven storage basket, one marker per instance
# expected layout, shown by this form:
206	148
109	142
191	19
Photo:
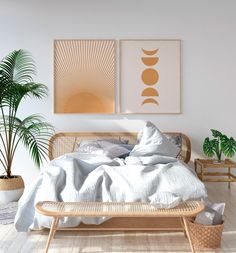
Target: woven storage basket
205	237
13	183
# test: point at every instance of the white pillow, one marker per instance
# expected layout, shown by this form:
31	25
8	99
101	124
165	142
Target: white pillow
91	148
165	200
106	148
111	140
151	141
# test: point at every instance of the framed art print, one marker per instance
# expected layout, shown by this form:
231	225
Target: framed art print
150	76
84	76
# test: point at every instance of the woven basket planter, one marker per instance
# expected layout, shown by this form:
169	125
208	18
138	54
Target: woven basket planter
11	189
205	237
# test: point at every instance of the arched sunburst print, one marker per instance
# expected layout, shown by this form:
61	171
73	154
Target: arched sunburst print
84	76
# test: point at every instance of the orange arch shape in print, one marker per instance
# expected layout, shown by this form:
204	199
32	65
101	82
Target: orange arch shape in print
150	61
150	52
150	101
150	92
150	76
79	103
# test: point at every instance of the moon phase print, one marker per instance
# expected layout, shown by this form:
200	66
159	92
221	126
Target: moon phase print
150	76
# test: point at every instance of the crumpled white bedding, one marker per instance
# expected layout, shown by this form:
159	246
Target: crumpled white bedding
91	177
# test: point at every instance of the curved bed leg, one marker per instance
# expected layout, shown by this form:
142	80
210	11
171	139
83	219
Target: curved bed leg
188	235
52	232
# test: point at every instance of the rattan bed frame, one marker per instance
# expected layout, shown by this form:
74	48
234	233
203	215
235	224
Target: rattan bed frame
66	142
62	143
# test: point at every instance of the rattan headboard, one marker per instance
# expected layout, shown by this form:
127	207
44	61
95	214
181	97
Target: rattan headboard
62	143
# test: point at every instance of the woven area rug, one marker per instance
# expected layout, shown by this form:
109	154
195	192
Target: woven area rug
7	212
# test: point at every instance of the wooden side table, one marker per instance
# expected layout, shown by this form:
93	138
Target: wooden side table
206	176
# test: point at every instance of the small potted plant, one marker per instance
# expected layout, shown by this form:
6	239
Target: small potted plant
16	83
220	144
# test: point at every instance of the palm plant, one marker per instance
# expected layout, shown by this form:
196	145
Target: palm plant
16	83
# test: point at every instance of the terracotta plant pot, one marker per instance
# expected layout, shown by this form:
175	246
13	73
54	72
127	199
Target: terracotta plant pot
11	189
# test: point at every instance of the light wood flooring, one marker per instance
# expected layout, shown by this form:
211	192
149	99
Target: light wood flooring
80	242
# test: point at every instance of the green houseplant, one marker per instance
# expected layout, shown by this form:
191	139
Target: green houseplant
16	83
220	144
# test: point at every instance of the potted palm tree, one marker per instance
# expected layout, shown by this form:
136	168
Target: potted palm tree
16	83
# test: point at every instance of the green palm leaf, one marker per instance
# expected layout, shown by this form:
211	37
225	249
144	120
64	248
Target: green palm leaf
17	92
34	134
16	79
4	86
18	67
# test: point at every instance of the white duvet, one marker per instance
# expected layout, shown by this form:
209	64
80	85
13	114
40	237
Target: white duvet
87	177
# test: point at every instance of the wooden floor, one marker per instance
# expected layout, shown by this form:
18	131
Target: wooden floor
79	242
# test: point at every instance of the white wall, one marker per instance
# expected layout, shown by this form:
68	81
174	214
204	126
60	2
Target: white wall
205	27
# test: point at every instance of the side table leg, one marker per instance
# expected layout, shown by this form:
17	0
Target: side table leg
229	172
52	232
202	173
195	165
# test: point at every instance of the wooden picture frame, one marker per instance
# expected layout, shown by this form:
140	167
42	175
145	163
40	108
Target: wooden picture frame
84	76
149	76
